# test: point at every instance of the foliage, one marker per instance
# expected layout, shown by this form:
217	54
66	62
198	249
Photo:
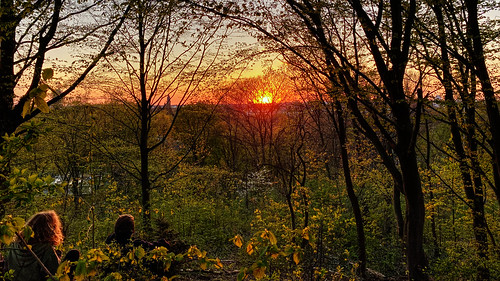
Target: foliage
19	186
113	263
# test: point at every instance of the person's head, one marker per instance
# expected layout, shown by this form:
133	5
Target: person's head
47	228
124	228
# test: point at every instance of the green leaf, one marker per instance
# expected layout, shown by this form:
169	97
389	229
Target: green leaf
32	178
242	275
140	253
17	223
28	233
42	105
6	234
47	73
179	257
80	270
63	269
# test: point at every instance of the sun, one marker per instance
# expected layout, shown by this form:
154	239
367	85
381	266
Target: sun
263	97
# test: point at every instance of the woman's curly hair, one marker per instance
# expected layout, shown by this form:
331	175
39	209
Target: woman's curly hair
47	228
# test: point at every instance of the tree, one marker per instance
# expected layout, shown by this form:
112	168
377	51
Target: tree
164	53
461	85
475	49
30	32
378	88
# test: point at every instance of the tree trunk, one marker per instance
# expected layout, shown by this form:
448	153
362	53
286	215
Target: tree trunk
476	52
7	50
415	210
342	134
472	184
144	127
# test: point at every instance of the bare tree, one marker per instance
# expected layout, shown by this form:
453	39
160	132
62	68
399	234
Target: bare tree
164	53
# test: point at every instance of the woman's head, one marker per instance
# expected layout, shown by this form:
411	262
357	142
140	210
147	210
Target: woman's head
46	227
124	228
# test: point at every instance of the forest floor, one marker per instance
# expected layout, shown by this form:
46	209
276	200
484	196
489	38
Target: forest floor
227	275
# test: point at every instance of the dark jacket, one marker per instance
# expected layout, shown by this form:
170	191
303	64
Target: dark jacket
26	267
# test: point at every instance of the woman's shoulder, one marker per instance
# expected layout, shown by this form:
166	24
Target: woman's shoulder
44	251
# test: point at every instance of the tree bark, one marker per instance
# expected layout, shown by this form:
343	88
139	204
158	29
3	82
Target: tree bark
342	135
476	52
144	125
7	50
471	178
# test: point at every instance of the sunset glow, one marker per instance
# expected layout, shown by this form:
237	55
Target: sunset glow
263	97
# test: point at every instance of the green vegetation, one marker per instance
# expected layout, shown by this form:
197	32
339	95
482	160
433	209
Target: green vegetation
372	153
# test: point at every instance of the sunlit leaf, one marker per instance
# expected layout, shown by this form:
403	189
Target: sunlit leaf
6	239
259	272
296	257
272	238
17	223
42	105
26	108
140	253
250	249
218	264
203	266
305	233
238	241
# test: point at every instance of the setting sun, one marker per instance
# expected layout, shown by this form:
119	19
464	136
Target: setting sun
263	97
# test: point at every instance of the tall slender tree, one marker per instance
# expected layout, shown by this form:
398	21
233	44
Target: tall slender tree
164	53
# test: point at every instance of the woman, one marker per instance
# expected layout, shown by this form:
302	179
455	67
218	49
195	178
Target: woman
47	231
124	229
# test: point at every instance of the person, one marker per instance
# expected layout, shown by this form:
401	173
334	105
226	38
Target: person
123	237
124	229
123	232
47	234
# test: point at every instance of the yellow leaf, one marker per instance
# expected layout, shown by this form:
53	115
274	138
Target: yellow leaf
41	104
218	264
305	233
259	272
238	241
6	239
296	257
250	249
26	108
272	238
203	265
63	269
